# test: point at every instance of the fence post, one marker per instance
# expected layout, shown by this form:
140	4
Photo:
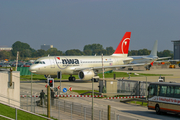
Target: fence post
84	113
81	110
115	115
102	114
139	88
99	114
34	104
71	111
27	102
59	111
118	117
64	106
56	103
16	113
109	112
42	105
72	106
48	101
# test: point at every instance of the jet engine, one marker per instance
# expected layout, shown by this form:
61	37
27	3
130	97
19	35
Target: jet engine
86	74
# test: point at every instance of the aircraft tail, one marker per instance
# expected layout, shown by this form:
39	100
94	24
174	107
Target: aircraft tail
123	47
154	50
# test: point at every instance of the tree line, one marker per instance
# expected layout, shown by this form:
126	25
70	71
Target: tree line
25	51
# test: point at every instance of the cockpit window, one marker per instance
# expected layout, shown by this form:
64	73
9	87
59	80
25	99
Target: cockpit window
39	62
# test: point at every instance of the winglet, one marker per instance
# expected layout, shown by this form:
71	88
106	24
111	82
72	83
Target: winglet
123	46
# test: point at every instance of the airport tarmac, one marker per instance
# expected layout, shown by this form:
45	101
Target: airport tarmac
173	75
126	111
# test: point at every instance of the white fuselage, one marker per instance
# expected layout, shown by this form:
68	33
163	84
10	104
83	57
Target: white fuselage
72	64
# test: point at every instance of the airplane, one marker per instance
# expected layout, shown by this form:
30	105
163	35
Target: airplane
86	67
148	60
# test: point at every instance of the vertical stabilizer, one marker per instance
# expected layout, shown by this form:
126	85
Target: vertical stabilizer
123	47
154	50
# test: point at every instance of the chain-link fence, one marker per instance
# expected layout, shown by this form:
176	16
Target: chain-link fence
13	111
66	110
137	88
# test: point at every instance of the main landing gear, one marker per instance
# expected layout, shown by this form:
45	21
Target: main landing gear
148	67
72	78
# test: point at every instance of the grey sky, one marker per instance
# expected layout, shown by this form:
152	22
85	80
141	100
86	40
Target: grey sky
71	24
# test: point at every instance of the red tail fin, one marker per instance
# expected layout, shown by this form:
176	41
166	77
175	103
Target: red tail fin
123	46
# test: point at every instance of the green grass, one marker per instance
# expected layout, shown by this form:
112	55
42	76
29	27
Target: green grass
107	75
139	103
10	112
83	91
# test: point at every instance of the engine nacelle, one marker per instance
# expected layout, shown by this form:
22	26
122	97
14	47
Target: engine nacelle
86	74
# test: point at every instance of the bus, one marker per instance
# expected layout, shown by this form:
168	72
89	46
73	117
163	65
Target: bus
164	97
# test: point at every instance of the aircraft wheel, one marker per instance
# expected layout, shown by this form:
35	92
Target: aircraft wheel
73	78
130	68
96	80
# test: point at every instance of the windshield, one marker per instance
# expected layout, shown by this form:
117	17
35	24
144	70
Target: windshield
39	62
152	90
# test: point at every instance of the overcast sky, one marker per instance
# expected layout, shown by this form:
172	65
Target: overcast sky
72	24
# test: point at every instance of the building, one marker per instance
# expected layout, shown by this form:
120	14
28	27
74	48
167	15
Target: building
176	49
46	47
5	48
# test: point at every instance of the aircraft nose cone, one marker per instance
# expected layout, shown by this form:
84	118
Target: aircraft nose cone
32	69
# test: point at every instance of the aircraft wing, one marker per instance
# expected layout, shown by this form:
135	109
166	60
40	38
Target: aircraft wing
140	57
163	58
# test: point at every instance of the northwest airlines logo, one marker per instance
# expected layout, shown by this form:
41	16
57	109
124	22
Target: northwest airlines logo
125	46
69	61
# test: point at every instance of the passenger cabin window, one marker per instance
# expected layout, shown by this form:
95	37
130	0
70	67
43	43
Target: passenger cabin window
170	91
163	89
177	92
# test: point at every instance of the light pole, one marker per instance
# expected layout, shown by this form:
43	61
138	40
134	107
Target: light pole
146	83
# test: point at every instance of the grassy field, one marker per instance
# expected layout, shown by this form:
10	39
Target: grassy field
10	112
84	91
139	103
107	75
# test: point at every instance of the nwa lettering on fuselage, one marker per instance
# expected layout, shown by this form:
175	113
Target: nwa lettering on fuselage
70	61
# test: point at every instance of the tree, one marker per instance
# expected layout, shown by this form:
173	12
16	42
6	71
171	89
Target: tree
165	53
5	55
24	49
40	53
54	52
92	48
109	50
87	52
74	52
134	52
99	52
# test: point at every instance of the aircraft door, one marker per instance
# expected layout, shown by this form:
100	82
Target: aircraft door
52	62
81	63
